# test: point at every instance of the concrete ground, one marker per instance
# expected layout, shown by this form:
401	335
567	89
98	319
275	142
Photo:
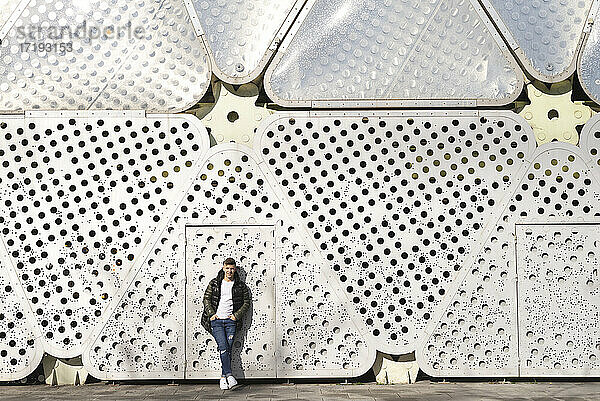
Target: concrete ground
422	390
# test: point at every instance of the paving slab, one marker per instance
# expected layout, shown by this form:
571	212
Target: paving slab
422	390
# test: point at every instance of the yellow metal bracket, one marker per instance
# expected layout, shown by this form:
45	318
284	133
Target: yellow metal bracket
234	117
555	117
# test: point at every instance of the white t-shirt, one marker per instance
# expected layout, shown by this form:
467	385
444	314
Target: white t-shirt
225	308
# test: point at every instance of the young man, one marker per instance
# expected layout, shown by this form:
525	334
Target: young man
226	300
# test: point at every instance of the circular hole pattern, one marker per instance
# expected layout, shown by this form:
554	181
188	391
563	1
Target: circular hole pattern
80	196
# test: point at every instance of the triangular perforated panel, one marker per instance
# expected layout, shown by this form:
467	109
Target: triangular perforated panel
7	7
81	195
315	335
395	203
20	347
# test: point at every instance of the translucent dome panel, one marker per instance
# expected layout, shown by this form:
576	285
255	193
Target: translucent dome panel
7	7
363	53
242	35
589	63
117	54
545	35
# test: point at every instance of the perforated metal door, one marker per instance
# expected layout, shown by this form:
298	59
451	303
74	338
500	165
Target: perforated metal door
559	299
253	248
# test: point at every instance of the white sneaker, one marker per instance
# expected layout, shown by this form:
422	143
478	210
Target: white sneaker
223	384
231	381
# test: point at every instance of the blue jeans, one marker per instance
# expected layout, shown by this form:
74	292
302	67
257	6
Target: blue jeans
223	330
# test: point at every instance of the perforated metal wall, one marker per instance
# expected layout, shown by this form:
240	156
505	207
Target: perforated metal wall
395	203
144	334
476	333
81	195
20	347
364	231
116	54
314	330
315	334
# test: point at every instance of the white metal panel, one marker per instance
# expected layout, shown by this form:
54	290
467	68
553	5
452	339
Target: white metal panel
143	335
315	334
21	348
354	51
120	54
242	35
442	190
559	299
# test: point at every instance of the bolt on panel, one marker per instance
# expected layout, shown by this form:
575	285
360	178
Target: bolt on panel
242	35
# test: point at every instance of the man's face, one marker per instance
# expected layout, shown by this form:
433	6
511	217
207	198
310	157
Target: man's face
229	271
